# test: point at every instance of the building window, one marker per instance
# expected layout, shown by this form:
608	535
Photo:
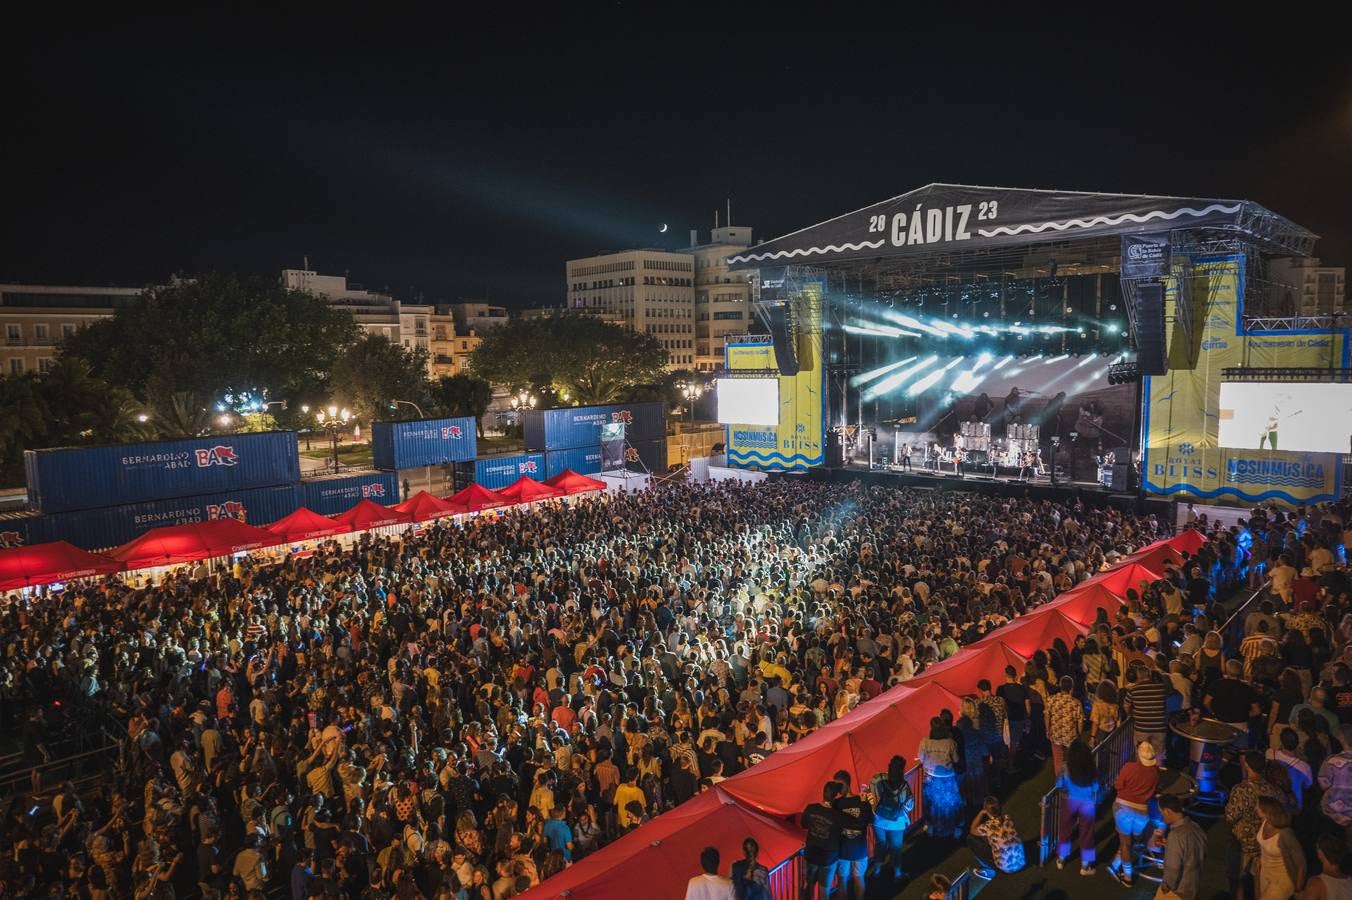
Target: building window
45	364
40	333
16	366
14	334
67	330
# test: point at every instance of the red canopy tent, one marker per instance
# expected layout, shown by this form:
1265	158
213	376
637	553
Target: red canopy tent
305	525
1129	574
1036	631
1188	541
22	567
862	743
960	672
658	859
175	544
369	514
1081	604
571	482
422	506
476	497
527	490
1155	556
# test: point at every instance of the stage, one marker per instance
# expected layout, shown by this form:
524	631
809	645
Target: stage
1089	493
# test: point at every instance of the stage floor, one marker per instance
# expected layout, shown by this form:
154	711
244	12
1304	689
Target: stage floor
979	476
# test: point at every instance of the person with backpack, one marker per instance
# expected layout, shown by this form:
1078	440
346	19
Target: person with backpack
893	804
750	879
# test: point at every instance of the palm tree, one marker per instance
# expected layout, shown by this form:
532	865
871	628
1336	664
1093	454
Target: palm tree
23	419
120	419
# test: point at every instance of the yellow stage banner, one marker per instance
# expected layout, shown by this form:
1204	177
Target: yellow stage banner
799	440
1182	454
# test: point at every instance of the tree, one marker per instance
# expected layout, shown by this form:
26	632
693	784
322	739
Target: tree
373	372
215	333
592	361
23	420
465	395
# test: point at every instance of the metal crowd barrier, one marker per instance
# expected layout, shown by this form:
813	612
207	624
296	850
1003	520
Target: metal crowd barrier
1109	757
961	888
787	877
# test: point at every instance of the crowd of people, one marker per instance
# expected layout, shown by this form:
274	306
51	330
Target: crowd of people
465	710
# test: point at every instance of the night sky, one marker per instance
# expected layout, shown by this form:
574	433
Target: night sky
447	159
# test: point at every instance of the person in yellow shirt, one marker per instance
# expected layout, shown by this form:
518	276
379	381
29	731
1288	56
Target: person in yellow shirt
626	792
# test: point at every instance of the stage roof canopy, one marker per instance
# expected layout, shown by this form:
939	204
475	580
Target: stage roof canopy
952	219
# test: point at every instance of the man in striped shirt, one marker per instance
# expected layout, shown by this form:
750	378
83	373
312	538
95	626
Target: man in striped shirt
1256	646
1147	698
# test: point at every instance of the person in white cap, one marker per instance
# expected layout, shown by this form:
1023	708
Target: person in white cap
1136	785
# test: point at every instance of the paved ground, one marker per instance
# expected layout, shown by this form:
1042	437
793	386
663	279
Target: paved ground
927	856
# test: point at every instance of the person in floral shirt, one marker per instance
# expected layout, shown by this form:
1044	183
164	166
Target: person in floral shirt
1065	721
1241	811
995	840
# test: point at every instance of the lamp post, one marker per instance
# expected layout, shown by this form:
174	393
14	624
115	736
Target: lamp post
416	407
333	420
525	400
691	392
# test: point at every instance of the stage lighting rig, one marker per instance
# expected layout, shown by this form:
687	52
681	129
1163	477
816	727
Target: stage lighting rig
1124	373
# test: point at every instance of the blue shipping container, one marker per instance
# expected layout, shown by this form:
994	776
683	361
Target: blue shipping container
424	442
582	460
20	529
650	455
580	426
65	479
494	472
339	493
95	529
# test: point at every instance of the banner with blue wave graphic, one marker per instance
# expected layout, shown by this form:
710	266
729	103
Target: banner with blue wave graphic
798	442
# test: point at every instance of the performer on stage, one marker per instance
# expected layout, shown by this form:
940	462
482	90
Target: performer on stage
958	457
904	457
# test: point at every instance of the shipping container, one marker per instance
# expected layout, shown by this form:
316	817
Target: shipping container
334	494
580	426
650	455
582	460
72	478
22	529
423	442
494	472
97	529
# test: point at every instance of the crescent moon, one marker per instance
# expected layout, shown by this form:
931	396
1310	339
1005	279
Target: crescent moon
663	229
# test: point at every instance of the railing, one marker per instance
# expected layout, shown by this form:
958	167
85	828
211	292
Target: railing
786	878
1232	630
961	888
78	766
1109	757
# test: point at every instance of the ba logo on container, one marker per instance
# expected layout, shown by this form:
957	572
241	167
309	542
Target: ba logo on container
10	539
527	466
630	454
216	456
230	509
375	490
450	432
624	416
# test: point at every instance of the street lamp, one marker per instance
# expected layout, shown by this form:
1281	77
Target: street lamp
395	404
333	422
691	392
143	418
524	400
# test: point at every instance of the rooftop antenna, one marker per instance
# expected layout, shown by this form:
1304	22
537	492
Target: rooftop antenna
306	264
715	218
729	212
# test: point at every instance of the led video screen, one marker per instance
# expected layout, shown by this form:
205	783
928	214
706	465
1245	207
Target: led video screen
748	401
1264	415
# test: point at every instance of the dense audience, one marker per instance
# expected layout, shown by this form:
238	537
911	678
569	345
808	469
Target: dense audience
465	710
